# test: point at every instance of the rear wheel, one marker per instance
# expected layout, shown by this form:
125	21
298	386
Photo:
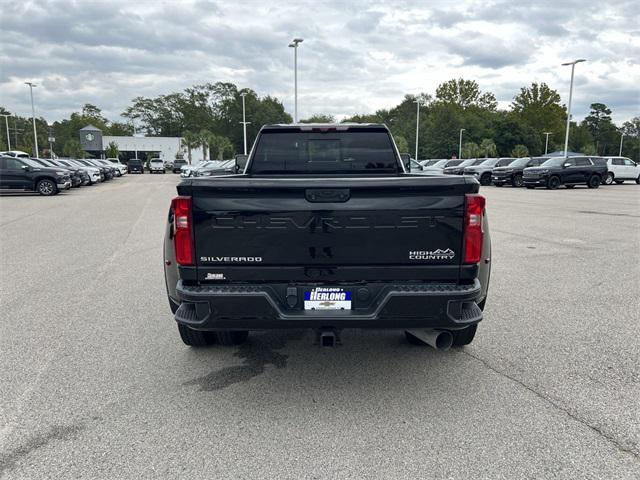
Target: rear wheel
464	337
46	187
608	179
553	183
231	337
196	338
638	180
485	179
517	181
594	181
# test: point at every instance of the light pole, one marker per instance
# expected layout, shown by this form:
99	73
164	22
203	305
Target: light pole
135	146
417	102
566	136
460	145
33	117
546	143
621	137
294	44
6	123
244	122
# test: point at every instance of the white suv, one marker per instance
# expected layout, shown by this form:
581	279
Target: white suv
621	169
156	165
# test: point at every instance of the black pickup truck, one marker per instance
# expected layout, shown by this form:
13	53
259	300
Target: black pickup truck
324	227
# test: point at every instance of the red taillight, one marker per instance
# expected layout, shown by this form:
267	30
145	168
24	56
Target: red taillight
473	233
182	233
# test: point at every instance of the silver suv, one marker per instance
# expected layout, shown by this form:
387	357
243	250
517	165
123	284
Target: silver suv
483	171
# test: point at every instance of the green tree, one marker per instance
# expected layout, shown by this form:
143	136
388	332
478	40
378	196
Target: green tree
401	143
520	151
579	138
604	132
319	118
470	150
539	106
203	140
588	149
465	94
220	147
631	143
112	150
72	149
190	140
488	148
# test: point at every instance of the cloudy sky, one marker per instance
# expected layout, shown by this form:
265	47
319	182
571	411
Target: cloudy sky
357	56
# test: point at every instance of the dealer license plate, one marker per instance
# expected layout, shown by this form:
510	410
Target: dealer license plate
327	298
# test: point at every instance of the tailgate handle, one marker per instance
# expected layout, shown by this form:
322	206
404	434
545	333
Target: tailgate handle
327	195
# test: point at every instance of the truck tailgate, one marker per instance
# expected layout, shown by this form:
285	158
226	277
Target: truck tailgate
301	228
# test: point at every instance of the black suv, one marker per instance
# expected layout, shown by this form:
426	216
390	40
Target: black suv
76	176
177	165
513	173
565	171
25	174
135	165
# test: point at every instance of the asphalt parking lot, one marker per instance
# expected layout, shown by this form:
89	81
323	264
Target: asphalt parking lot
95	382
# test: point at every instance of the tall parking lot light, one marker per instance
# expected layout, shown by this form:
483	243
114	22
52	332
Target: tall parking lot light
33	117
294	44
6	123
621	138
417	102
244	122
546	143
460	145
566	136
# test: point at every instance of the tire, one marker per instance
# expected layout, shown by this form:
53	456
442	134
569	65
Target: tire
485	179
46	187
517	181
619	182
195	338
230	338
553	183
464	337
638	180
608	180
594	181
569	186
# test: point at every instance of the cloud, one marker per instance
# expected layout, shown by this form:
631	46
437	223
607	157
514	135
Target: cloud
357	56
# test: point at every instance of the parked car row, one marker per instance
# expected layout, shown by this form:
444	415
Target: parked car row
532	172
209	168
48	176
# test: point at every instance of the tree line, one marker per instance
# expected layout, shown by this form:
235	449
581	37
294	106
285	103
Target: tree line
209	116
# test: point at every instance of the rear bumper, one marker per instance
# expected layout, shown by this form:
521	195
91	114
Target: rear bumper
388	306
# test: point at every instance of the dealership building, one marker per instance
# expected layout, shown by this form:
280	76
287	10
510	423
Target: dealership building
166	148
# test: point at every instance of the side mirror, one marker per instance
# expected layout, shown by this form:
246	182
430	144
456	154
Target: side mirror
241	162
26	168
566	165
406	160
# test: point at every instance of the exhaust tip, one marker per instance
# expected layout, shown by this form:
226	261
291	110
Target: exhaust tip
438	339
444	340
